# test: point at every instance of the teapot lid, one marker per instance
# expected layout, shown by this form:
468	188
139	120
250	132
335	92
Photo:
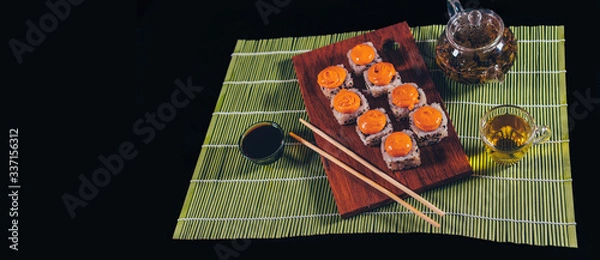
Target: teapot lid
475	29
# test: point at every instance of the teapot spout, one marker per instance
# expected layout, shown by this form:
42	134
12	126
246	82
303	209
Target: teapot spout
454	7
492	74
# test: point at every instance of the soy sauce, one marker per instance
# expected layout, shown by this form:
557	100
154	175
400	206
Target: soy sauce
262	141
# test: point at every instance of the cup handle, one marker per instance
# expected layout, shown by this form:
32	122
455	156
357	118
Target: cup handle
543	134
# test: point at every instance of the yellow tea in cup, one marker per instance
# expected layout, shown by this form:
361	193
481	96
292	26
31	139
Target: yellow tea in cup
508	132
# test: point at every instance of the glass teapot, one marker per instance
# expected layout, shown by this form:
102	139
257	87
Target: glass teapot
475	46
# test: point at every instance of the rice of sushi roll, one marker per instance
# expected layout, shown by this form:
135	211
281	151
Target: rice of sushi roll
400	150
347	105
405	98
334	78
372	125
381	77
429	123
362	56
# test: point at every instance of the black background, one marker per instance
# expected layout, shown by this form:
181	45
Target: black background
77	96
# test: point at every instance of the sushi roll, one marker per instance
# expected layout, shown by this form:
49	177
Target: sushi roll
400	150
381	77
333	78
347	105
372	125
362	56
405	98
429	123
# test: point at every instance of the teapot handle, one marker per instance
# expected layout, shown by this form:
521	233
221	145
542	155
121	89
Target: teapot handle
454	7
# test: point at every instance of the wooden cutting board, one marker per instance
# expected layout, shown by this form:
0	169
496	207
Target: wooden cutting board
440	163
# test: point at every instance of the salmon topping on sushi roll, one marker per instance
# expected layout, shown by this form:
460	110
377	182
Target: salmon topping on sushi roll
398	144
362	54
405	95
427	118
371	122
346	101
332	77
381	73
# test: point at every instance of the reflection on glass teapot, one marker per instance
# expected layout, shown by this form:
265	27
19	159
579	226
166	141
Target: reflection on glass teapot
475	46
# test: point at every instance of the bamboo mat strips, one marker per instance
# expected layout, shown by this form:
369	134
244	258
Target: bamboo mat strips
528	203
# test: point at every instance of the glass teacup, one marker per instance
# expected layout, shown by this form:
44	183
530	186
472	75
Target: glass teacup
508	132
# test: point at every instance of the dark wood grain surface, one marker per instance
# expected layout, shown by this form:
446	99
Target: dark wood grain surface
440	163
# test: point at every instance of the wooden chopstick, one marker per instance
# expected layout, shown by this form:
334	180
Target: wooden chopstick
372	167
365	179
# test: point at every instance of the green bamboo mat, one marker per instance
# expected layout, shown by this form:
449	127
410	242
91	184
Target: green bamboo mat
529	203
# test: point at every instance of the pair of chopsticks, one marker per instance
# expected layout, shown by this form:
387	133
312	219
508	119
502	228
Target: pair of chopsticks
371	167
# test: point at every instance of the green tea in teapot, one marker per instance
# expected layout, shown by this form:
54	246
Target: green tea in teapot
475	46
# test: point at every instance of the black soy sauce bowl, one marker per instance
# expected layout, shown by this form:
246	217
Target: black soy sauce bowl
262	142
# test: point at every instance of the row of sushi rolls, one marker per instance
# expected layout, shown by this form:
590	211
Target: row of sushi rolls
407	101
